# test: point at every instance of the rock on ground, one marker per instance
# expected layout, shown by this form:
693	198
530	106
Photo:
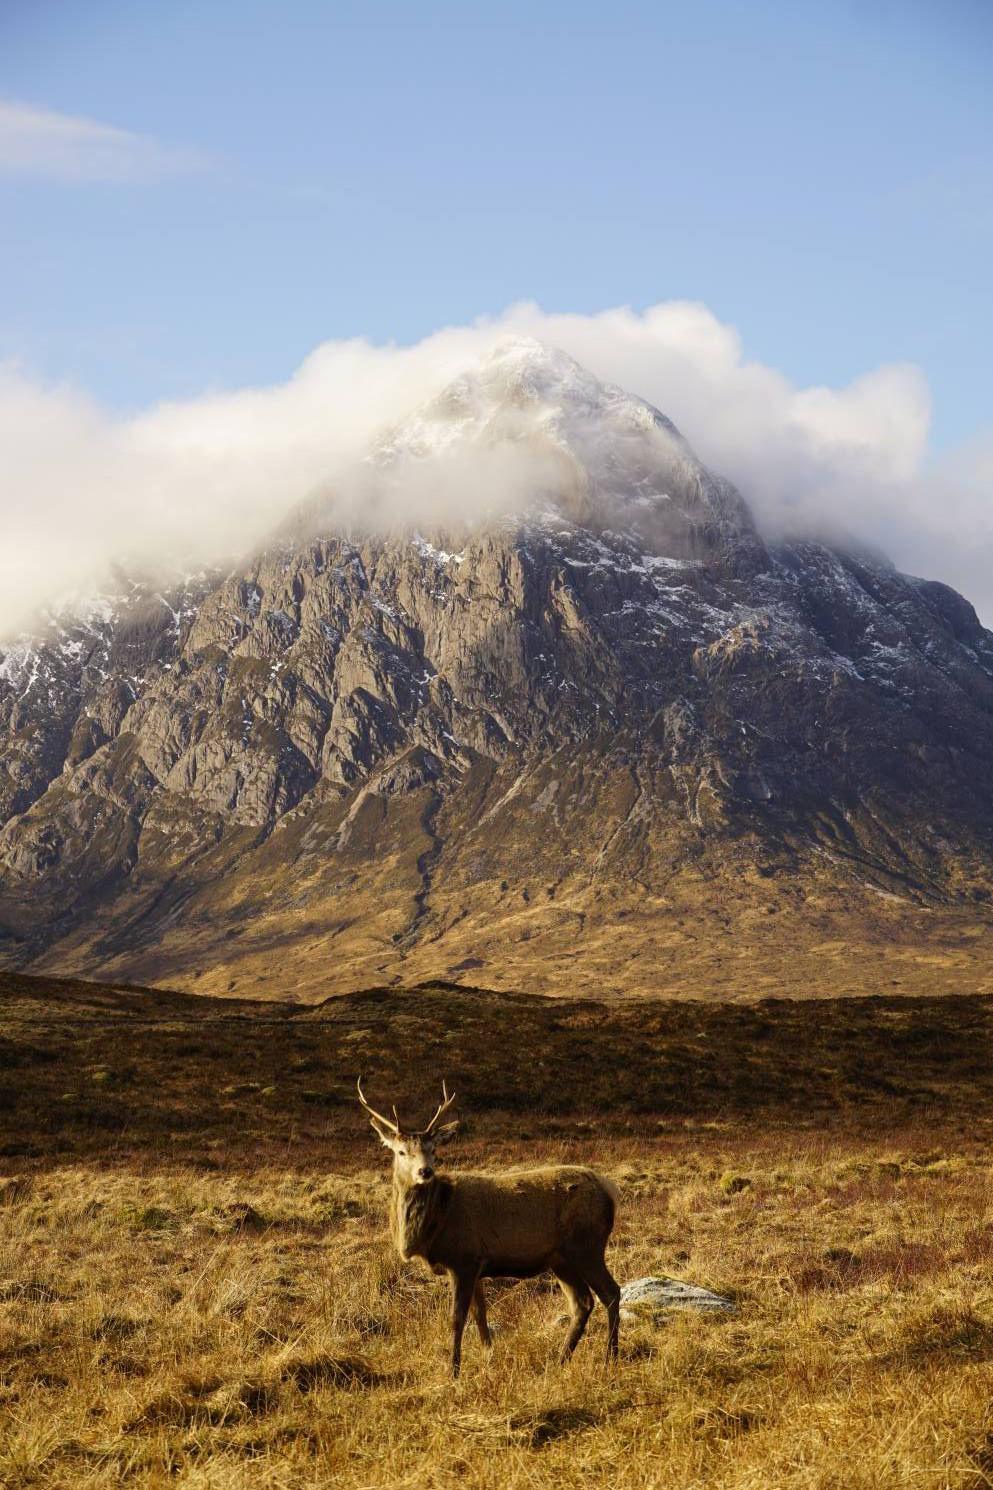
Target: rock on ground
654	1295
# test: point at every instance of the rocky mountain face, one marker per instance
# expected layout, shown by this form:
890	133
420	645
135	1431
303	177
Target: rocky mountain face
583	731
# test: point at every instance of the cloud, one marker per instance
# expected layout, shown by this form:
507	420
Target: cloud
63	147
199	479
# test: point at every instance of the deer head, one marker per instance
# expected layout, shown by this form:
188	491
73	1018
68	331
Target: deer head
413	1150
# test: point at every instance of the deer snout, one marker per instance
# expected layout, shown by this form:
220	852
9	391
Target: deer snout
425	1172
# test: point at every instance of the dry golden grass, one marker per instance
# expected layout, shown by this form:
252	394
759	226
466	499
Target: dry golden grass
196	1288
162	1324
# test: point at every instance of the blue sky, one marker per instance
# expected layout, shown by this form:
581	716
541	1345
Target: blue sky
819	174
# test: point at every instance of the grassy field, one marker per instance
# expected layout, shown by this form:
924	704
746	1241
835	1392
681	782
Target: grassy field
196	1287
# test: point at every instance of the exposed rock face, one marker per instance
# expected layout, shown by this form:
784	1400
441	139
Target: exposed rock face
605	738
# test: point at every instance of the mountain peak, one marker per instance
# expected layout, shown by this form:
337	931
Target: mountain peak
522	372
605	740
533	369
530	416
521	387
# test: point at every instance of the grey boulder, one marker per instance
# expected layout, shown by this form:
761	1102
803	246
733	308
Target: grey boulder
657	1295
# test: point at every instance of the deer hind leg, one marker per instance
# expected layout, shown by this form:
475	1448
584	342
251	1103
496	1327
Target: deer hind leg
581	1303
479	1312
607	1291
463	1288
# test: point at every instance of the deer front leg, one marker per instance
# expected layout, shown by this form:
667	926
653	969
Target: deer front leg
463	1288
479	1310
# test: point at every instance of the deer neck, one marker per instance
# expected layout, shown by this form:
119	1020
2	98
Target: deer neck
418	1215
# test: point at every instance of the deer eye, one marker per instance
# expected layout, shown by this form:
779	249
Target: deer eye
403	1153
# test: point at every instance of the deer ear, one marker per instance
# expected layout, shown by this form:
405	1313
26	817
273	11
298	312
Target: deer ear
446	1130
386	1135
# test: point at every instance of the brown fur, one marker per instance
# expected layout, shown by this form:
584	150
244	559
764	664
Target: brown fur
516	1224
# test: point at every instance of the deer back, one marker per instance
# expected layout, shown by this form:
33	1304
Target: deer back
523	1217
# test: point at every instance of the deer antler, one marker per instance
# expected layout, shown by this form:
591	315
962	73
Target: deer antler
446	1104
378	1115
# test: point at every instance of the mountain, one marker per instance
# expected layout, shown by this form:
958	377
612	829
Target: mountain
579	728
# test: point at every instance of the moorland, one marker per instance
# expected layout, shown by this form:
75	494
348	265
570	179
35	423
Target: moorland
196	1287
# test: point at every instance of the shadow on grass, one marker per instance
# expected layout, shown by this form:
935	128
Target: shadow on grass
88	1069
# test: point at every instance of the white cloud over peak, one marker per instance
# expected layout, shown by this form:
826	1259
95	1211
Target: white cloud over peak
198	479
42	143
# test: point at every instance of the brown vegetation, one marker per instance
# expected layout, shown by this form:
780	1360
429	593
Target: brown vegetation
197	1287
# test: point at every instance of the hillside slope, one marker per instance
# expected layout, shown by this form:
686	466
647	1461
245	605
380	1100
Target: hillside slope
600	737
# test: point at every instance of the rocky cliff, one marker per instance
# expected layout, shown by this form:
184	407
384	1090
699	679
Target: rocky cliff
583	729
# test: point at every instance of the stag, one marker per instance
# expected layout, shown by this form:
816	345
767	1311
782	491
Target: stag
514	1224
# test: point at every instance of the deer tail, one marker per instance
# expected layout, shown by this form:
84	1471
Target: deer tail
612	1193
